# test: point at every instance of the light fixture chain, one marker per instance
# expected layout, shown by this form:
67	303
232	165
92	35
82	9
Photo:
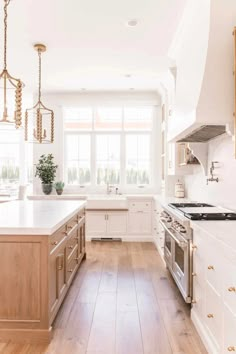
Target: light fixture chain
40	76
5	33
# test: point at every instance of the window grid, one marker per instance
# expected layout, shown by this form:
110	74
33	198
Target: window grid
123	134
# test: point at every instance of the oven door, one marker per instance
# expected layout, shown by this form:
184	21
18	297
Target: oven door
181	269
168	245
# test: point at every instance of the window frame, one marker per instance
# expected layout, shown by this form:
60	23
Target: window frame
122	133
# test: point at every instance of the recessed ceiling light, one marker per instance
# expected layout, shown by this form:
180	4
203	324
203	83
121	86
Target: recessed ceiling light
128	75
131	88
132	23
83	89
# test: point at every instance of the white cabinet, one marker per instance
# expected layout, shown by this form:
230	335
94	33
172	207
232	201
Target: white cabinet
116	223
96	223
214	293
106	223
140	218
158	231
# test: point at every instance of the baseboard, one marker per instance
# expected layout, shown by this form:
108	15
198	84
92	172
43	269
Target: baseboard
31	336
128	238
205	337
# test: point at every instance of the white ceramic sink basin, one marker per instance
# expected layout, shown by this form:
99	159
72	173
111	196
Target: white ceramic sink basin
104	201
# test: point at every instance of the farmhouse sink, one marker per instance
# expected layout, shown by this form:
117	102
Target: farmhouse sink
109	201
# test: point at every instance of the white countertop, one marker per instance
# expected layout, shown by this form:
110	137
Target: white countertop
36	217
222	230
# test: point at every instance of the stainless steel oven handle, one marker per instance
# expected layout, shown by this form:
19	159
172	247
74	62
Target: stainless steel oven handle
182	243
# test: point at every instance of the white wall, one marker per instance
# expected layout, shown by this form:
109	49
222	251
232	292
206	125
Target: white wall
224	192
57	101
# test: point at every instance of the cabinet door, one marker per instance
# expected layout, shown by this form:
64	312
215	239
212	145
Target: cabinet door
134	223
57	277
229	331
96	223
146	223
116	223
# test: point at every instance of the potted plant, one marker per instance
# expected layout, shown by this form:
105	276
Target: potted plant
46	171
59	187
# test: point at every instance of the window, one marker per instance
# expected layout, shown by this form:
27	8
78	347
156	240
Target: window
78	159
138	159
108	144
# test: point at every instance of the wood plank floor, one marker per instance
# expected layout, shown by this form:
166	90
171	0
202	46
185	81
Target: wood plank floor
122	301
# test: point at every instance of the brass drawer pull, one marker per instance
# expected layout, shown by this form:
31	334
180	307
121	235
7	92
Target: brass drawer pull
64	233
194	301
76	238
231	349
70	227
194	274
194	247
210	267
210	315
71	247
54	243
70	271
232	288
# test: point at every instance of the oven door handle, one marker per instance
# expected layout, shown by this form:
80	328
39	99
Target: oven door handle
182	243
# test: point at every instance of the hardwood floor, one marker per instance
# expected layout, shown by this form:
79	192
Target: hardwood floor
123	301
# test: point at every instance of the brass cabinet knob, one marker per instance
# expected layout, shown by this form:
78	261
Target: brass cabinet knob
194	302
194	274
194	247
71	247
210	315
64	233
54	243
232	288
231	349
70	227
70	270
210	267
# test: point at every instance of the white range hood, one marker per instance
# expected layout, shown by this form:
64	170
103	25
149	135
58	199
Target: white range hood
203	51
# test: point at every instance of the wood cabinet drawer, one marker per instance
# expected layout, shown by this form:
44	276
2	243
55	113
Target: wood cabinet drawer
72	223
213	315
229	332
57	238
72	243
135	206
72	265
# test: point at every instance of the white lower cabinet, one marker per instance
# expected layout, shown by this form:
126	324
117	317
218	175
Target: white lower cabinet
106	223
214	293
116	223
140	218
229	331
97	223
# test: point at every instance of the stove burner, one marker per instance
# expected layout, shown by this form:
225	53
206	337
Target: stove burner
211	216
189	205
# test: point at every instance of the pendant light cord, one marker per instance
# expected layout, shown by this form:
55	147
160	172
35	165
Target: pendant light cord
5	33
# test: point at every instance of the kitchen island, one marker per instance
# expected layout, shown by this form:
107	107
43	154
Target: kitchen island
42	244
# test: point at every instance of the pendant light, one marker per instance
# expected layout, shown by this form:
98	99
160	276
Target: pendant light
39	120
11	88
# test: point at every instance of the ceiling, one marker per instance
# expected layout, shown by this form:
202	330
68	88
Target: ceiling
89	43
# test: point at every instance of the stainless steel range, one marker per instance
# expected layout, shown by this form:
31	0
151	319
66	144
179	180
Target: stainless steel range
175	219
177	250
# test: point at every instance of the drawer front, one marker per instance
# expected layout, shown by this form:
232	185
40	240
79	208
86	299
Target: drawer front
214	267
229	332
135	206
229	286
72	243
213	314
57	238
72	265
71	224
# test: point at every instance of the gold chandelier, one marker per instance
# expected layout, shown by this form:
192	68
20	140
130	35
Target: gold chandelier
41	124
11	88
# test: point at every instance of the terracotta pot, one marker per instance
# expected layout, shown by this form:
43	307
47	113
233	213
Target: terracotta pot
59	191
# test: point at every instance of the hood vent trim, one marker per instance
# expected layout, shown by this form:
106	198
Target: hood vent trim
203	134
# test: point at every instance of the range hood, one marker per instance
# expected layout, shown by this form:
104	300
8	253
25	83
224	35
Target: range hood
204	97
